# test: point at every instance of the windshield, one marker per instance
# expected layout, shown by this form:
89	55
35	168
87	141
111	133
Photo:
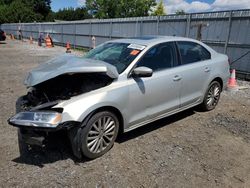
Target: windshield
118	54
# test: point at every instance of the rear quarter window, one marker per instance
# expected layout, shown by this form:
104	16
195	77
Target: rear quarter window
192	52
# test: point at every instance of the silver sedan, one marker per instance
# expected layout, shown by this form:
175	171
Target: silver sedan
118	86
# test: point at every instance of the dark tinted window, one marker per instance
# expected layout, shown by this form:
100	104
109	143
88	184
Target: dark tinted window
160	57
192	52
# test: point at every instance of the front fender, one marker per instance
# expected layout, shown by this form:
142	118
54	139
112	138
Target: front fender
79	107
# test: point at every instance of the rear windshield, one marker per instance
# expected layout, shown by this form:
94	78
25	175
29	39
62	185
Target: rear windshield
119	55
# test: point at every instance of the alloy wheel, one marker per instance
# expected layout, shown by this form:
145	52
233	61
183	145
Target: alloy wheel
213	95
101	134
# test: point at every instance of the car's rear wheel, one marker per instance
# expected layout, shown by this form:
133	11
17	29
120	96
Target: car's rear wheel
212	96
99	135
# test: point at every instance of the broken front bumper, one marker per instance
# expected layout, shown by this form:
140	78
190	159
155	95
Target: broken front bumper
36	126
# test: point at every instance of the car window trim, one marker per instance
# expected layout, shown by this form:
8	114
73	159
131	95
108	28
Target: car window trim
178	55
181	63
175	52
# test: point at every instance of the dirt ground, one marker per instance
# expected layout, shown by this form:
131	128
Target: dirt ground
190	149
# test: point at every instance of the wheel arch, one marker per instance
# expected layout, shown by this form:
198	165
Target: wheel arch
75	133
203	106
113	110
218	79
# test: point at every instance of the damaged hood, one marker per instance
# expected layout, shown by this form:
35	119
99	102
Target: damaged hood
68	64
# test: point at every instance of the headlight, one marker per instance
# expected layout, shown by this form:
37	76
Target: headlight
37	119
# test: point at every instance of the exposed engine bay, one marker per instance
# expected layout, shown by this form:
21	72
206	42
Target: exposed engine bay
62	87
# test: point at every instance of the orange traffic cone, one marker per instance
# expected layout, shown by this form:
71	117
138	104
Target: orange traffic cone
31	40
68	48
48	42
232	84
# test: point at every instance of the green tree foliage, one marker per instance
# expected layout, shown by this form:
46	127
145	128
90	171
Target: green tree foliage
119	8
13	11
18	11
3	9
42	7
24	10
160	10
69	14
180	12
5	2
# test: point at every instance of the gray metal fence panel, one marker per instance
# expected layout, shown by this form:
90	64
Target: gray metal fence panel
240	32
56	37
67	38
172	28
244	63
69	29
149	28
214	31
100	29
82	41
57	28
100	40
126	29
83	29
227	32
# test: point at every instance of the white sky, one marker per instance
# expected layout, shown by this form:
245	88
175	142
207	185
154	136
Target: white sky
199	6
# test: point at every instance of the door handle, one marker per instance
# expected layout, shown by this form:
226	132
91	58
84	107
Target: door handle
177	78
207	69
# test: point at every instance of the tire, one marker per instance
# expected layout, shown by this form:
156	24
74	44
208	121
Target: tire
24	149
99	135
212	96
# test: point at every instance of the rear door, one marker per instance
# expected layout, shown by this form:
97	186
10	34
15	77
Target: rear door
195	71
159	94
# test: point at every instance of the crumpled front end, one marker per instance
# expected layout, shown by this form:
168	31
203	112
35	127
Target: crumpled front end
58	80
68	65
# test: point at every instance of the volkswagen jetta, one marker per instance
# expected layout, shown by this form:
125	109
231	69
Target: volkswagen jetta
118	86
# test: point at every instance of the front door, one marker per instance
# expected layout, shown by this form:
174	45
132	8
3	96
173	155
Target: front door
157	95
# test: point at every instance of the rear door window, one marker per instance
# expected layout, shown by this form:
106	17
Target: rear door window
192	52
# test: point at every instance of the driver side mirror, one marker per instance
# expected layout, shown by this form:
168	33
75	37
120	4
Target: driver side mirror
142	72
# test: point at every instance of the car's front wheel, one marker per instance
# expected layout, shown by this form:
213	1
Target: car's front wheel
99	135
212	96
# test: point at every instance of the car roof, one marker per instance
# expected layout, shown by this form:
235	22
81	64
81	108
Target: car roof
149	40
153	40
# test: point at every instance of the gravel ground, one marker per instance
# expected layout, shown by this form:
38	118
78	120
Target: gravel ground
189	149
